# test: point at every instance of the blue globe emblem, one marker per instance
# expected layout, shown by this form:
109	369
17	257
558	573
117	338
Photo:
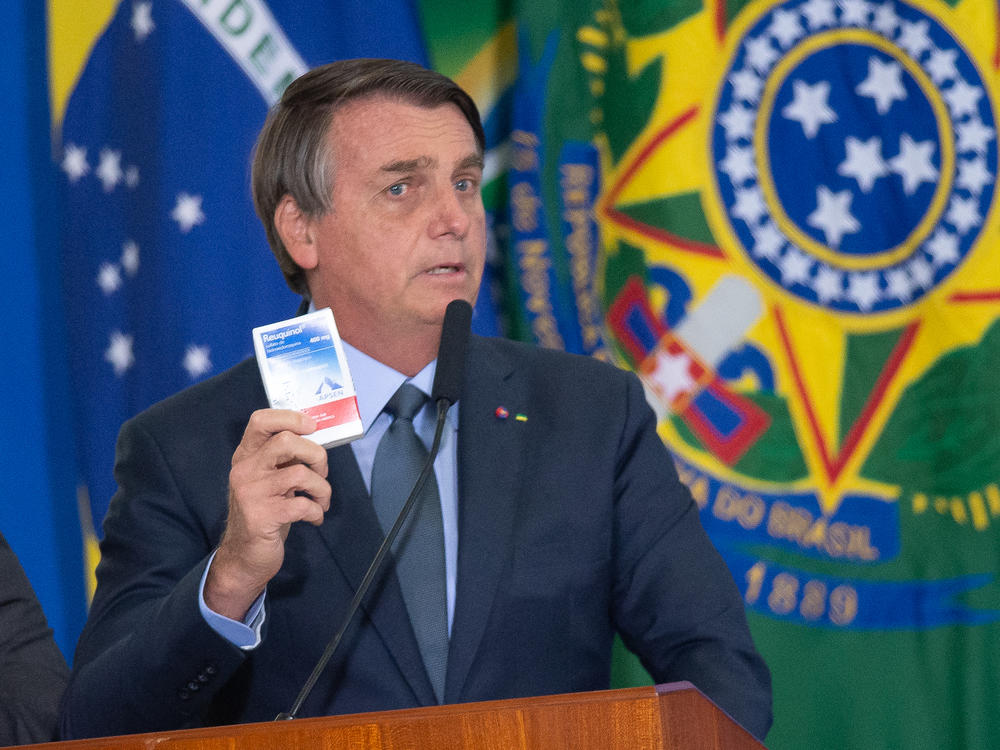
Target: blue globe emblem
855	152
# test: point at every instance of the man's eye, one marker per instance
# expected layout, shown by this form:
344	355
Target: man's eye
397	189
464	185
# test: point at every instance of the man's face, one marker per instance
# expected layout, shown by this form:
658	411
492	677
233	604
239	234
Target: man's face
406	233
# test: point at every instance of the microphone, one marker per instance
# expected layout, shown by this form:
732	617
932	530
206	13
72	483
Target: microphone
450	370
448	377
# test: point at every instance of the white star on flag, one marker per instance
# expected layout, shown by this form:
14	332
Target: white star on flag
884	84
132	176
828	283
855	12
914	38
747	86
187	213
74	162
819	13
739	164
738	122
760	54
768	241
943	247
109	278
885	21
898	284
109	171
786	27
913	163
864	162
119	352
973	175
973	135
863	289
749	205
130	257
962	98
795	267
197	361
941	66
963	213
809	106
921	272
142	20
833	215
671	376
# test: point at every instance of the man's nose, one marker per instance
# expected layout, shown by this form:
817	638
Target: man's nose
450	214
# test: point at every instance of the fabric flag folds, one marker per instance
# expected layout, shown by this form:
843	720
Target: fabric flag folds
37	473
166	267
782	215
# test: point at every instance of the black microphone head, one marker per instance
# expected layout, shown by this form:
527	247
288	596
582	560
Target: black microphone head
450	371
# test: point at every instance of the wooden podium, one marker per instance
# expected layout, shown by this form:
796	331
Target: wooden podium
666	717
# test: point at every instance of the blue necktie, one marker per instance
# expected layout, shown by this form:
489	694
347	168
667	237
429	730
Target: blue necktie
419	548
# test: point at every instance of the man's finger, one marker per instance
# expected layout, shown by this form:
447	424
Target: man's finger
266	423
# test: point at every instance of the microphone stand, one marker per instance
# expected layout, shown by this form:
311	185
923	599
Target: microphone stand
373	569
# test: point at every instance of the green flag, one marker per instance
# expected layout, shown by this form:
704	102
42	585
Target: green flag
781	214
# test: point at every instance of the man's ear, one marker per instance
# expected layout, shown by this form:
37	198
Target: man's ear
295	230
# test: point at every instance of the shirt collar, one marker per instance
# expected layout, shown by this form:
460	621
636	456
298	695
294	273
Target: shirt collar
374	383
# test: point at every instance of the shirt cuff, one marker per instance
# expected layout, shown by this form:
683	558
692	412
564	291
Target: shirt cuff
245	634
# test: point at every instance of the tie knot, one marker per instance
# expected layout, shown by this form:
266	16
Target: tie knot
406	402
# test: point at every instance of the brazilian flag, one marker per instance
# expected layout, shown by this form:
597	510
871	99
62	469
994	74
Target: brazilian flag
165	268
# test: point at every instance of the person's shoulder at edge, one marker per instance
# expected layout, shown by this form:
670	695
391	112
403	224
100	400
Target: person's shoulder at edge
33	672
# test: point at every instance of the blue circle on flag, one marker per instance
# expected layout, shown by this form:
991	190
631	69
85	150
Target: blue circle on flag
887	215
854	150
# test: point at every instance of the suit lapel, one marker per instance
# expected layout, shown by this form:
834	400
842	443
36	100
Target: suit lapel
489	474
352	534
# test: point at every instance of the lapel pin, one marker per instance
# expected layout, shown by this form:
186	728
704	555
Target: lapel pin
502	413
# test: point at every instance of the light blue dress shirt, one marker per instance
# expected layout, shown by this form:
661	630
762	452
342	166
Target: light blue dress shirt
375	384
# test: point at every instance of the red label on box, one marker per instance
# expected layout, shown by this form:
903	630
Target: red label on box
334	413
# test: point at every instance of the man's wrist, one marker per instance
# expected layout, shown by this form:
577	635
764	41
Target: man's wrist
227	591
245	632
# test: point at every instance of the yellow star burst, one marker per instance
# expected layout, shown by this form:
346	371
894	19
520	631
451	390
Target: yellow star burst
807	344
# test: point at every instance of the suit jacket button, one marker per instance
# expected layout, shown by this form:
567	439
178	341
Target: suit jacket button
183	694
193	686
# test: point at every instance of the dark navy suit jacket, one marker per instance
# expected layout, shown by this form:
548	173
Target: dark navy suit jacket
572	526
33	672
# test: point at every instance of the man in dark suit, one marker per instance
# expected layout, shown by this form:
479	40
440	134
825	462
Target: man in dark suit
563	520
32	670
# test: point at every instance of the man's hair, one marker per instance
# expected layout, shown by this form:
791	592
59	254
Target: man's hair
292	154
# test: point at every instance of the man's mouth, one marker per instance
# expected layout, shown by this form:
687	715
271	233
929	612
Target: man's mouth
437	270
